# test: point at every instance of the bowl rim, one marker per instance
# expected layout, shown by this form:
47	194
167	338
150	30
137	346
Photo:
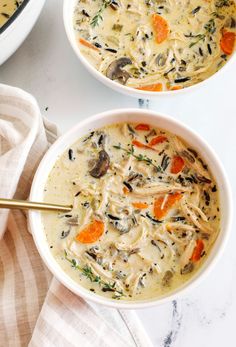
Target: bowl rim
14	16
122	88
201	273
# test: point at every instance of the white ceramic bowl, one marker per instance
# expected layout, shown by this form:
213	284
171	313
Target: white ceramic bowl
14	32
68	10
131	115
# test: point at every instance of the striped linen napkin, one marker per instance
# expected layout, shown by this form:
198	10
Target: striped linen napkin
35	309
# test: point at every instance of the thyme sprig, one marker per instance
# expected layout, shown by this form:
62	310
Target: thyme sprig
200	37
88	273
98	16
139	157
209	27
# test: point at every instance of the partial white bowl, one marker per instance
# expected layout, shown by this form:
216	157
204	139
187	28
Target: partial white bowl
17	28
68	10
130	115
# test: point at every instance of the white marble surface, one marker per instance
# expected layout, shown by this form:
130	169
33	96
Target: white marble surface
46	67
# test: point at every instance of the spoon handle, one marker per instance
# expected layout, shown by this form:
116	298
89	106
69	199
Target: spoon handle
28	205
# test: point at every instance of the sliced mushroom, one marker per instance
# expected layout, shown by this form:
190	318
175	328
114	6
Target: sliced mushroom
101	166
161	59
122	226
166	280
115	71
187	268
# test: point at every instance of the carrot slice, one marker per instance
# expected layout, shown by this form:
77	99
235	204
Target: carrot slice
156	87
91	232
160	27
140	205
162	205
141	145
227	42
157	139
176	88
87	44
197	250
177	164
144	127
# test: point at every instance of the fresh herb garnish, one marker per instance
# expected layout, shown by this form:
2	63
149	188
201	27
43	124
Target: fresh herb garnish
139	157
200	37
98	16
210	26
88	273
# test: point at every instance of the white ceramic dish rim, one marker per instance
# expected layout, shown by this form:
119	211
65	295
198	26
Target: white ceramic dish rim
17	28
14	16
135	115
68	23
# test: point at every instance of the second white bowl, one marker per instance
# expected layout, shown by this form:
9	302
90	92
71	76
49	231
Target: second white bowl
141	116
14	32
68	12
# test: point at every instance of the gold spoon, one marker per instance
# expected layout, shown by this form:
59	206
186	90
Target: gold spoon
26	205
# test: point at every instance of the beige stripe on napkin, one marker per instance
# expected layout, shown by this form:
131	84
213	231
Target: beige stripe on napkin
35	309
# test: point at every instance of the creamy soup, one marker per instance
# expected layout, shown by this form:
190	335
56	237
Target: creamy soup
7	8
145	211
156	45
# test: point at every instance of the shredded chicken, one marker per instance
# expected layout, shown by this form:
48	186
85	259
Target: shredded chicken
186	255
191	216
139	242
158	189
